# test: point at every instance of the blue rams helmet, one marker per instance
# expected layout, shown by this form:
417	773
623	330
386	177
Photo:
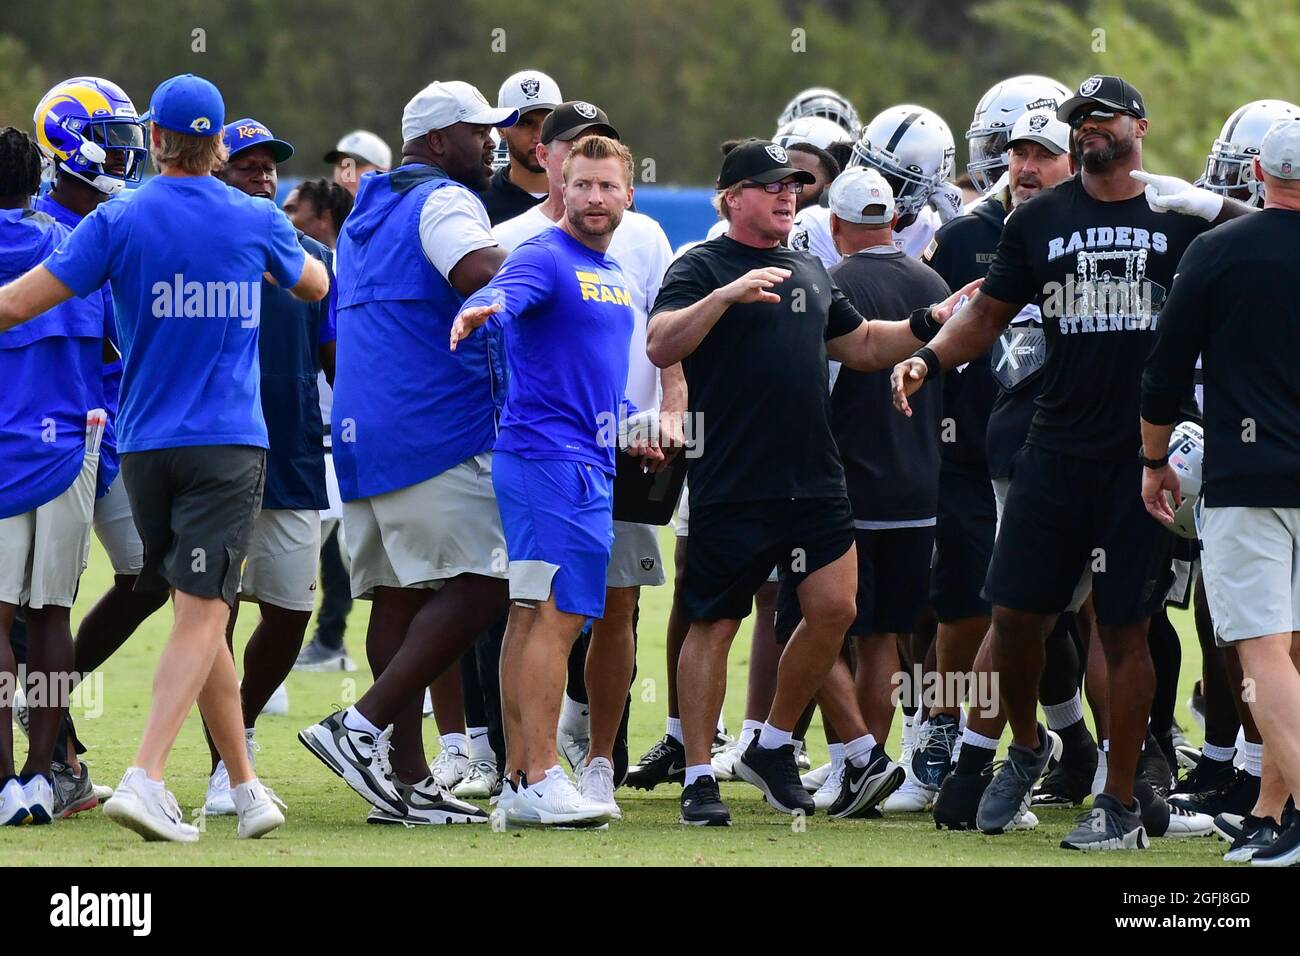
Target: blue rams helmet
89	128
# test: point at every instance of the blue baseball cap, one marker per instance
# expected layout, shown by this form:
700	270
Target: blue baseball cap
245	133
187	104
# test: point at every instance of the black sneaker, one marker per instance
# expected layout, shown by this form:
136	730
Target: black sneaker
665	762
861	788
958	800
1070	783
702	805
932	758
1109	825
1007	796
776	774
1238	793
1153	766
1207	774
1229	826
1284	851
1255	833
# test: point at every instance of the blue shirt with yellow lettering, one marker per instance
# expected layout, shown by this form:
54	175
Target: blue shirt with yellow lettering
568	320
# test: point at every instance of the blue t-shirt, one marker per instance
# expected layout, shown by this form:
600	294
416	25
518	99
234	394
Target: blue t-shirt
568	322
108	463
49	376
184	257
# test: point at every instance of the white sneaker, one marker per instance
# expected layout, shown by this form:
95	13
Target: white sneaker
596	783
219	802
1099	778
149	811
38	794
812	780
278	704
480	780
827	793
427	803
801	759
573	745
359	757
449	767
21	713
1188	823
911	797
427	709
256	806
725	761
1025	820
554	801
13	804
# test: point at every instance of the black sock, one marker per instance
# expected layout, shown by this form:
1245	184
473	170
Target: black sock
973	760
1075	736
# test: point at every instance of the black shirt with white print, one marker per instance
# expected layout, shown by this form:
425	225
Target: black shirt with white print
1099	273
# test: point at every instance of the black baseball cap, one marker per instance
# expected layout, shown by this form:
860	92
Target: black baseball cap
569	119
1110	92
762	161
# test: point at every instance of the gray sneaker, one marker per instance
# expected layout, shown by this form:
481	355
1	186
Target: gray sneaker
72	794
1109	825
1007	797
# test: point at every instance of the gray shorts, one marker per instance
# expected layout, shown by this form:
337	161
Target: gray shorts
425	534
1251	561
195	508
1083	588
115	529
282	559
43	552
635	560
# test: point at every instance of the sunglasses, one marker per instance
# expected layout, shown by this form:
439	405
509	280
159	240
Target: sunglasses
774	188
1078	118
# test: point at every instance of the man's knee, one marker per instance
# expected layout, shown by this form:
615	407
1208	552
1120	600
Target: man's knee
1011	624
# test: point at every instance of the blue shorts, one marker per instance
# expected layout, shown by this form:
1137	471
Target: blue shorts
558	518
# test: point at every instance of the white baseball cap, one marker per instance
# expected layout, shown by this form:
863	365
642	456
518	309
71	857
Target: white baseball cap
362	145
443	104
1279	153
858	189
1042	127
529	90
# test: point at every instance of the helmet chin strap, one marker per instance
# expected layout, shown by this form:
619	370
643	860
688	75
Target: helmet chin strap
108	185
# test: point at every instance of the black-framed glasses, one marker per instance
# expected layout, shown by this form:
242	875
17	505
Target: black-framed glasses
1078	118
794	187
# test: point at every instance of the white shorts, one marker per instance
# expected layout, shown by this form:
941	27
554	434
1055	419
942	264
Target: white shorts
283	556
1251	561
425	534
1083	588
335	510
115	529
43	552
635	560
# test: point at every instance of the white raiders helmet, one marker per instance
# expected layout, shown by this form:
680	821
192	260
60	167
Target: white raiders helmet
817	130
500	152
912	148
996	113
1230	167
1186	451
826	103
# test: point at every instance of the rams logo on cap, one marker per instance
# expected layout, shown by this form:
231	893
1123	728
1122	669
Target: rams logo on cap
1036	123
201	124
777	153
1089	86
531	87
585	110
250	131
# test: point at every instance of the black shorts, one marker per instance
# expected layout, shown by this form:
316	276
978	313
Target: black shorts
893	569
1066	514
963	543
733	547
194	508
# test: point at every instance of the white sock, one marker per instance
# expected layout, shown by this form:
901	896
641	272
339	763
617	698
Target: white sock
722	723
696	771
1254	759
1105	746
909	730
972	739
770	738
480	748
353	719
1221	754
1064	714
749	728
459	741
575	718
249	732
858	751
837	756
155	786
675	729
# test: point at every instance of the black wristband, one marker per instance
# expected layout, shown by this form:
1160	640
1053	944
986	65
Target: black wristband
932	367
1153	463
923	327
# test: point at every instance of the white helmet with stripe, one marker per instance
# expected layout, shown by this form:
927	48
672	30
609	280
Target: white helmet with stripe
912	147
1230	167
996	113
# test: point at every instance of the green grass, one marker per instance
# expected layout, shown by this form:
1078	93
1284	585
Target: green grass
326	821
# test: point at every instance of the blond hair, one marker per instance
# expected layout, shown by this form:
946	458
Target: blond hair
196	155
599	147
720	201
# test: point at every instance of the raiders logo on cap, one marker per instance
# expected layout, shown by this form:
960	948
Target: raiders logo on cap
585	110
531	87
1036	123
1286	169
1089	86
778	154
1047	102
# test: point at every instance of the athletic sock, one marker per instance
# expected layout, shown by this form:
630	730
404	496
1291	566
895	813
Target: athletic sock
1062	715
480	747
1220	754
749	729
722	723
837	756
770	738
353	719
858	751
977	752
696	771
1073	736
675	729
1254	759
459	741
575	717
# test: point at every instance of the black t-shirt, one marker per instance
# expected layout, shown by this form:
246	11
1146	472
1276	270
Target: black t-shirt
758	383
504	200
1100	272
891	461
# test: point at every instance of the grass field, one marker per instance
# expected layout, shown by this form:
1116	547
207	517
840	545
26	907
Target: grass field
326	821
